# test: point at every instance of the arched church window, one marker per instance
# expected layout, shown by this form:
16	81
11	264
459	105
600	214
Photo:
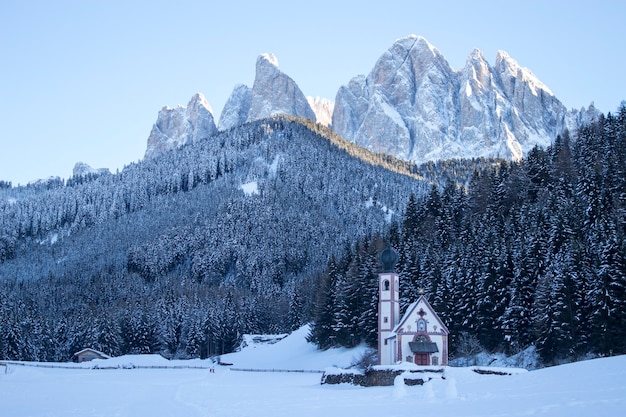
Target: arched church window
386	285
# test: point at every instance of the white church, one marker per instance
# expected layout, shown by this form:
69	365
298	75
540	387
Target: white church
419	336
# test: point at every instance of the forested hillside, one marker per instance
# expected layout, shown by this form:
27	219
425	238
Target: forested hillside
182	253
531	253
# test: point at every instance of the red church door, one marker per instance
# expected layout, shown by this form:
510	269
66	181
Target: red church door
422	359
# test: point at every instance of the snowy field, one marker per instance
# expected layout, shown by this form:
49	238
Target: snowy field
596	388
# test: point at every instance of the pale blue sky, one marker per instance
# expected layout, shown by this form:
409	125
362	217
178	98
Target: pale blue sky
84	80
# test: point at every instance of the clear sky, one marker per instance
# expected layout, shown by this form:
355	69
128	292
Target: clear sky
84	80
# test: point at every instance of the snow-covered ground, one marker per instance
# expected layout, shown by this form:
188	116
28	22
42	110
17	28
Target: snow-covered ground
595	387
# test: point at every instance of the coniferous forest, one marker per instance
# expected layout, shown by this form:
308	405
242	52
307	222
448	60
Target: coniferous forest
529	254
183	253
279	222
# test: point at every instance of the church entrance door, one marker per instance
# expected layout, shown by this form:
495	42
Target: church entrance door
422	359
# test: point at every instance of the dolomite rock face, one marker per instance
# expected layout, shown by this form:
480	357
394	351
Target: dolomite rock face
236	109
180	125
414	106
274	92
323	109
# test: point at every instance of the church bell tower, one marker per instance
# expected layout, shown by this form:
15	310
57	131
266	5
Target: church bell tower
388	307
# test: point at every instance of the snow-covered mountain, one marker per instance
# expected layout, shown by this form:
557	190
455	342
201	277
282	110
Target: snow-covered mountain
237	108
414	106
179	125
272	93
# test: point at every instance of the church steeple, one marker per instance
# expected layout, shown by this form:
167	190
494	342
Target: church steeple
388	306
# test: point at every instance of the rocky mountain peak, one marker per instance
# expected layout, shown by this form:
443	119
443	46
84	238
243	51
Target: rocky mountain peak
477	61
274	92
407	61
418	43
198	103
414	106
237	108
477	73
411	105
179	125
512	73
267	59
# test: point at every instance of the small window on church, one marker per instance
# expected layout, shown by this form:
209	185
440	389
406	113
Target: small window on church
386	285
385	342
386	320
421	325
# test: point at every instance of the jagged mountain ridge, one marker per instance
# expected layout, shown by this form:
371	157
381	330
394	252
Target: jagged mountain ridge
272	93
413	106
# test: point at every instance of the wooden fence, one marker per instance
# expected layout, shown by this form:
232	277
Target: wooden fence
103	366
100	366
301	371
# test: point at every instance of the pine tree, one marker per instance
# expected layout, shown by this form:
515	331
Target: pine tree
609	296
295	318
107	336
367	320
323	308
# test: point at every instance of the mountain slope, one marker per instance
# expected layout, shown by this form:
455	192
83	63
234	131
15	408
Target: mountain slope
241	220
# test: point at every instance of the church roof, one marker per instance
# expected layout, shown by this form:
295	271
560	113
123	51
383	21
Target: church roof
410	310
423	347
